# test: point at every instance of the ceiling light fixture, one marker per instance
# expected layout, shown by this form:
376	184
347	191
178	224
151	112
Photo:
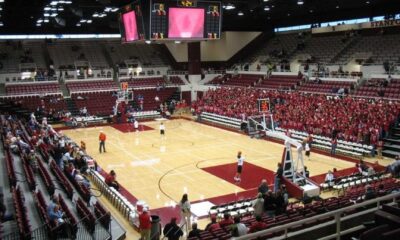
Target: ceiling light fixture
47	8
240	13
229	7
300	2
266	8
89	21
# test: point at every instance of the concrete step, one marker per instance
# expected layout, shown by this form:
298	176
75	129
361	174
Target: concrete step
394	147
392	140
390	153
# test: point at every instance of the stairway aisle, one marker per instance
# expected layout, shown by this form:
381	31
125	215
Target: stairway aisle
72	108
392	143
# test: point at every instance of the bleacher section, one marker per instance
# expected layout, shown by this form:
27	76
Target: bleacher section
243	80
324	143
65	53
281	82
221	120
43	88
272	50
379	48
145	54
79	86
145	82
326	86
149	102
97	103
323	48
176	80
379	88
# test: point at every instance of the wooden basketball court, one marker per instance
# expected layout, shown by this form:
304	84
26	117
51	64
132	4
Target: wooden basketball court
160	169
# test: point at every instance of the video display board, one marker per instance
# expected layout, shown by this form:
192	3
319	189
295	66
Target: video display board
132	23
185	20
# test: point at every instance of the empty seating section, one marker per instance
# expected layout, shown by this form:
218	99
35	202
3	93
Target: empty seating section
219	79
35	50
323	48
244	80
149	102
65	53
325	86
377	87
76	86
145	54
33	88
97	103
274	47
280	82
379	48
144	82
176	80
14	53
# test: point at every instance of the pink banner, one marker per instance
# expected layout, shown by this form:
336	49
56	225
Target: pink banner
131	33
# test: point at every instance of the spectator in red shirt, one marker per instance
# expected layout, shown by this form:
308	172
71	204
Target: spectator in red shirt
145	225
111	180
213	225
259	225
227	221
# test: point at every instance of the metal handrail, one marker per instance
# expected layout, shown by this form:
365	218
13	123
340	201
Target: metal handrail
335	213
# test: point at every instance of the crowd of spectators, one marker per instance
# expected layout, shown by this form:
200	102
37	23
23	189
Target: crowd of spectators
351	119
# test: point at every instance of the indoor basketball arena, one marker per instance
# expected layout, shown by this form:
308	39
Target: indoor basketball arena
200	119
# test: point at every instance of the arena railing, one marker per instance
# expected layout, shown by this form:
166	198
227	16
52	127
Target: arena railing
336	214
175	72
122	204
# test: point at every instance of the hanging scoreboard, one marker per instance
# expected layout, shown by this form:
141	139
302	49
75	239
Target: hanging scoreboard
184	20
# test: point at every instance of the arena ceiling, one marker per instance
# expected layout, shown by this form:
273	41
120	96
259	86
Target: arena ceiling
100	16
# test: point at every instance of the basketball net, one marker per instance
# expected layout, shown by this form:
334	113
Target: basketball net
123	95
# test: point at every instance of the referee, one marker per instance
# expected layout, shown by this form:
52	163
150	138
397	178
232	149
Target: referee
240	161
